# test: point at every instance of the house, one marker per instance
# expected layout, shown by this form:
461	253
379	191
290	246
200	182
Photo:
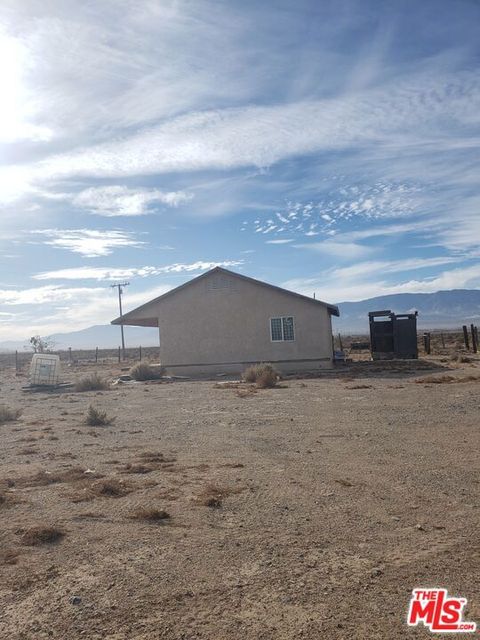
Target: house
221	322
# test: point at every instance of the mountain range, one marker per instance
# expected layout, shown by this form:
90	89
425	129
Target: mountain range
440	310
103	336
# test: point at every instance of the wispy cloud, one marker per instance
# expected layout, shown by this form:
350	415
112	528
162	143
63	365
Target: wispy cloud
115	273
89	243
384	201
379	267
459	229
408	113
122	55
16	112
279	241
334	135
116	200
44	295
72	307
389	229
369	279
341	250
77	307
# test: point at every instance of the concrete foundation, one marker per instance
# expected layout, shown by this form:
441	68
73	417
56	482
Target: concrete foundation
204	370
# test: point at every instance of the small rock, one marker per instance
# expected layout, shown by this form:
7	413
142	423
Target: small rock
375	572
75	600
419	527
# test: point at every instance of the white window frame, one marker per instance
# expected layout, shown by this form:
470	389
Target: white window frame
283	333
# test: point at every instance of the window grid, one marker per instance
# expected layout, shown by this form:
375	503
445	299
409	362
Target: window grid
288	328
282	329
276	328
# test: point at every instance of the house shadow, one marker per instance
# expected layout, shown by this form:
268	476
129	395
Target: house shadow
390	369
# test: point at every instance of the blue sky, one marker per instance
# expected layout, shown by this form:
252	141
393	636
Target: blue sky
328	147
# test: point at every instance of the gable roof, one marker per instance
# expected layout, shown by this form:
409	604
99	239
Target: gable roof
333	309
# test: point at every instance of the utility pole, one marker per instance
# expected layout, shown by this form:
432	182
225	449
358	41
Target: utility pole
120	286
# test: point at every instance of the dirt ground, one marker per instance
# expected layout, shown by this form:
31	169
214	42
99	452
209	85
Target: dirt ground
307	511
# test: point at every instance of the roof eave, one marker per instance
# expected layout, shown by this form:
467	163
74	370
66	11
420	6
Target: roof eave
135	322
332	309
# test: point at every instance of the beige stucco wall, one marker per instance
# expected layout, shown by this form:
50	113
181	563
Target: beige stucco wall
222	319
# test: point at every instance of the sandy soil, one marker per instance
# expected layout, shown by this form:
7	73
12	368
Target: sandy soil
331	499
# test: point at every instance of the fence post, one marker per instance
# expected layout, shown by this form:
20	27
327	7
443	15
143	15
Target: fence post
465	337
16	361
119	354
96	355
70	354
426	343
474	339
140	352
340	342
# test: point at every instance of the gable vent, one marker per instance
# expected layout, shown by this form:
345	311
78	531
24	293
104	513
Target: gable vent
221	283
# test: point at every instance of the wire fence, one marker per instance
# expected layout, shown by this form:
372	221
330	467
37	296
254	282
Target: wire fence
429	342
20	359
435	342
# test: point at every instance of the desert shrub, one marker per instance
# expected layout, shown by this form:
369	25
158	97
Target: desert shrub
155	456
263	374
246	392
97	418
42	535
10	556
144	371
447	379
267	379
344	483
7	414
227	385
150	514
138	468
361	386
459	357
40	344
45	478
27	451
251	373
9	500
213	494
110	488
91	383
